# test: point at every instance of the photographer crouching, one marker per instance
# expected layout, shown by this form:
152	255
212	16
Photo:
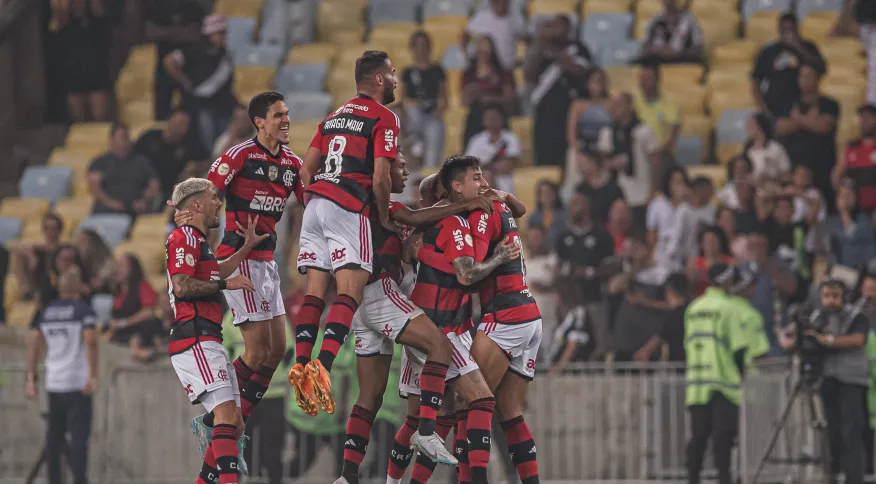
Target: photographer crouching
830	341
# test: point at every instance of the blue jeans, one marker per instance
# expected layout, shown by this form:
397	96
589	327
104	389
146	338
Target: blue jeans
429	129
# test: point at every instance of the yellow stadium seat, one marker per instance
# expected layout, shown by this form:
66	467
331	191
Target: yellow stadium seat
731	75
147	226
23	208
134	87
721	100
681	75
691	99
699	126
73	210
150	252
522	127
648	9
704	9
21	314
137	130
719	30
159	282
142	55
548	7
841	47
818	26
623	78
641	27
87	132
77	158
737	53
253	78
443	36
454	86
301	134
725	152
32	230
393	34
526	179
850	96
716	173
315	53
341	80
762	27
336	16
239	8
134	112
453	140
605	6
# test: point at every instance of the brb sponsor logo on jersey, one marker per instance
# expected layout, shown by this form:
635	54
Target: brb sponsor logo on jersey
263	202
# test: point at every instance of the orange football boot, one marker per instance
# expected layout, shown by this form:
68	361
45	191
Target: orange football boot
321	383
304	393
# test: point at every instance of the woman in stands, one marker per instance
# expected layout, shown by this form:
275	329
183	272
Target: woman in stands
484	82
97	261
133	322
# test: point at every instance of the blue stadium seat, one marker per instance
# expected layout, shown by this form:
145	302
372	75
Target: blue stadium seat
274	20
259	55
308	106
49	182
385	11
112	227
689	150
805	7
10	229
453	58
536	21
301	78
732	127
619	53
751	6
436	8
600	29
516	5
240	32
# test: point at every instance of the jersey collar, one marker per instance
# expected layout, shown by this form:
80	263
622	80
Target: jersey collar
202	234
268	152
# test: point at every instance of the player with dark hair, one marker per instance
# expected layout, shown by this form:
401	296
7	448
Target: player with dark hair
196	280
258	177
347	172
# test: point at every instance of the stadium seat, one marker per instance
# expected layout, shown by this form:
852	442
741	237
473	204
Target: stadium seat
732	126
112	227
623	78
239	8
443	35
536	21
442	8
750	7
602	29
619	53
87	132
73	210
736	53
301	78
11	293
699	126
522	127
805	7
49	182
397	34
74	158
301	134
315	53
850	96
716	173
690	151
734	98
648	9
149	251
691	99
526	179
10	229
818	26
259	55
241	32
762	26
250	78
453	139
605	6
141	111
704	9
681	74
147	226
23	208
725	152
516	5
732	75
21	314
553	7
454	58
308	106
102	305
384	11
340	17
719	30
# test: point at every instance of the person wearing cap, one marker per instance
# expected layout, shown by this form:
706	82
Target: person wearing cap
751	319
716	341
859	160
205	73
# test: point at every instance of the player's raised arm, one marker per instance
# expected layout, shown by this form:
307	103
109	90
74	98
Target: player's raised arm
434	214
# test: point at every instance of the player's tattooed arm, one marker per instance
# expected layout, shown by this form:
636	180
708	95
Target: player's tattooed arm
431	215
186	286
469	272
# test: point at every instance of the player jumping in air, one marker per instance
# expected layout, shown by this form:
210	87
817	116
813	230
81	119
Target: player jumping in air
195	284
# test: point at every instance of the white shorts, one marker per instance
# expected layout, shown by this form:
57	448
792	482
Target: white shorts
267	300
333	238
384	313
520	343
207	375
413	360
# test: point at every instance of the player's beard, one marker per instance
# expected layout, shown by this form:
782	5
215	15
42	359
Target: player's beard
214	222
388	94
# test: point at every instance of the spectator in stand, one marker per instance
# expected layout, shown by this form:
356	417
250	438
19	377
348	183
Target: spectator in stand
172	25
122	181
714	249
673	36
497	148
62	259
858	161
555	67
549	213
672	224
659	112
806	196
768	157
574	340
503	26
752	209
97	261
702	193
599	185
634	152
239	130
620	224
30	259
739	172
671	331
774	82
84	40
589	112
424	96
170	149
787	238
725	218
206	75
583	247
858	19
540	273
850	231
65	330
809	131
134	322
485	82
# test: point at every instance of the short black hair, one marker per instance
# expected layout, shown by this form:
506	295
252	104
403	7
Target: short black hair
667	179
789	16
55	218
653	66
261	104
454	167
679	283
369	63
702	181
834	284
494	106
417	35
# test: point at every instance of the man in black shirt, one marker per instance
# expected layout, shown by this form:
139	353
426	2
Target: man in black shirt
581	249
672	330
673	36
774	78
599	185
170	149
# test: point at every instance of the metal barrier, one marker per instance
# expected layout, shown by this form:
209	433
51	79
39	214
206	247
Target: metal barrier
596	422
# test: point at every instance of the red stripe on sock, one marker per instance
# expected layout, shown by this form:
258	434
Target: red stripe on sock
431	383
463	472
480	421
225	449
358	429
307	326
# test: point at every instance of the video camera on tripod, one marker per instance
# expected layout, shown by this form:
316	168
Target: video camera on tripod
807	319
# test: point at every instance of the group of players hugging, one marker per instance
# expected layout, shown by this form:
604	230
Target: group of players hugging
464	241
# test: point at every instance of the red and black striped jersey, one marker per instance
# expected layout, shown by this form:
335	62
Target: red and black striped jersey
194	319
387	249
349	140
256	182
505	297
437	292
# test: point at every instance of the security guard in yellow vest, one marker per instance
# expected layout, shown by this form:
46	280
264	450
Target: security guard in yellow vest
715	344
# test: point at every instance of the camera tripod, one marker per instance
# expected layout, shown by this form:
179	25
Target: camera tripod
807	388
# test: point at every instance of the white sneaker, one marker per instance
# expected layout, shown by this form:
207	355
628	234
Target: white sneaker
341	480
432	447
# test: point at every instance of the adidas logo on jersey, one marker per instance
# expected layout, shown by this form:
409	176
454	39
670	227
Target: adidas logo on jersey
260	172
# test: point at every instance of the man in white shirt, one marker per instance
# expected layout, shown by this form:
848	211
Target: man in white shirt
503	26
497	148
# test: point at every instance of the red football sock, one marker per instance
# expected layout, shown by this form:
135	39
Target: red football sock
337	326
521	445
400	457
424	467
480	421
307	328
460	450
225	449
208	470
431	393
356	443
252	393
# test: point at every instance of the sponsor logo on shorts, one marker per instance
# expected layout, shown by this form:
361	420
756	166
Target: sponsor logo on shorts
339	254
305	256
359	343
386	330
189	390
222	375
266	307
530	364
